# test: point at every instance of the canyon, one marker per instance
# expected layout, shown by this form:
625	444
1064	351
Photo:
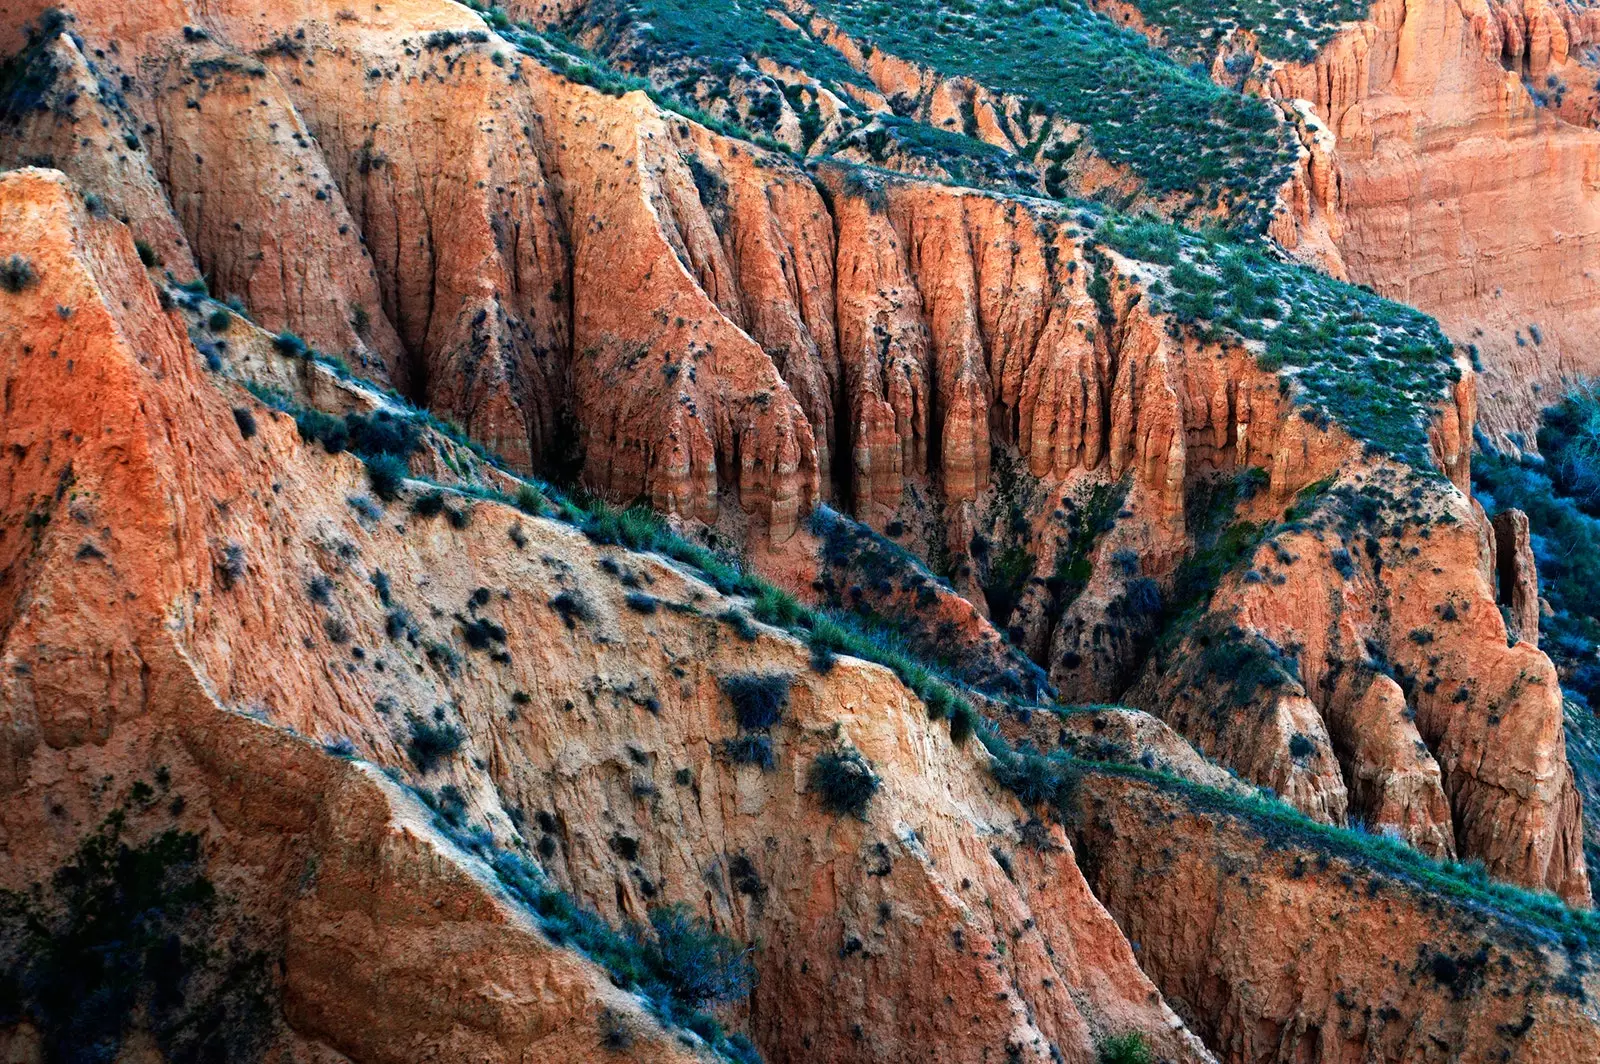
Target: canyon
536	540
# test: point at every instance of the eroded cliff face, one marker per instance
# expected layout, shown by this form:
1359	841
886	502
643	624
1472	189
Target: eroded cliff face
111	504
1461	179
260	616
706	326
1066	487
1355	631
1343	956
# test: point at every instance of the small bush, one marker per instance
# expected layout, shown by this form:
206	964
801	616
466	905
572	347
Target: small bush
759	699
480	633
751	750
287	343
398	622
639	602
147	254
531	501
701	966
428	504
220	320
431	742
232	567
1126	1048
823	659
326	429
17	274
573	607
245	420
387	475
844	782
320	589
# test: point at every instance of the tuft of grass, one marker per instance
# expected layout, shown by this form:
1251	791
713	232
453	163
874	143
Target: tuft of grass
639	602
844	782
17	274
759	698
387	474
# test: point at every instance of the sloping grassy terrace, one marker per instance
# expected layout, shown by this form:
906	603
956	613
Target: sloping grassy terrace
1375	367
1173	127
1290	32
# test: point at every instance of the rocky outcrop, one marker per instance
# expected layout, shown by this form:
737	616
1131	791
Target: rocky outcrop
1360	614
591	734
1222	905
106	711
1517	579
1463	149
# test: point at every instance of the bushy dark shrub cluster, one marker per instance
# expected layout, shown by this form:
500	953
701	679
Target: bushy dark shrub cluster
759	698
432	742
844	782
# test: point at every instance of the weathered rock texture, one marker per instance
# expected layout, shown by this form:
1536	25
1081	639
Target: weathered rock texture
583	279
1516	576
178	592
1294	955
1361	629
119	455
1461	179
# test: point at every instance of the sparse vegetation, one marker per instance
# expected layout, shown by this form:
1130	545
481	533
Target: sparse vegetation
17	274
431	742
844	782
678	963
129	935
759	698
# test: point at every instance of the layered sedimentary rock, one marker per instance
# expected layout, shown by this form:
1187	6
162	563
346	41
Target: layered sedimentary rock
1461	180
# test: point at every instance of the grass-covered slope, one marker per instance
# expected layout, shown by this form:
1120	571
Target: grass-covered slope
1186	139
1286	32
1169	124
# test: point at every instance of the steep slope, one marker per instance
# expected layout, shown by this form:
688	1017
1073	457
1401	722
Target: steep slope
1324	953
510	672
1038	397
1464	143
